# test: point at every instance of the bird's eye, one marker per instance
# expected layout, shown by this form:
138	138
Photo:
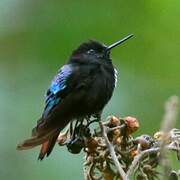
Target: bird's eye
91	51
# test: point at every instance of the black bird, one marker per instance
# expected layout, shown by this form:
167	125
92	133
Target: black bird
81	88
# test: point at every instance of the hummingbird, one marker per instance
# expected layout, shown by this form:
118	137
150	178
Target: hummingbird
81	88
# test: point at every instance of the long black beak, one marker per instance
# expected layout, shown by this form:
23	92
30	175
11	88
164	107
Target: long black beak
119	42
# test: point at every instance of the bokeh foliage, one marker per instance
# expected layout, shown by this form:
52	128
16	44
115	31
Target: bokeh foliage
36	38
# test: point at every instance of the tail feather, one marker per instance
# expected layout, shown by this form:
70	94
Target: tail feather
35	140
43	150
48	146
44	133
30	143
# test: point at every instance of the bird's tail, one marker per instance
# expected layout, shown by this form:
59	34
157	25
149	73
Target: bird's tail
47	140
48	146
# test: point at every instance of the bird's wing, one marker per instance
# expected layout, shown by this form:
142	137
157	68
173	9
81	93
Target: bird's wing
57	88
47	131
41	134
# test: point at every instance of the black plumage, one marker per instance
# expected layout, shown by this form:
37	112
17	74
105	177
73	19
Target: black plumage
81	88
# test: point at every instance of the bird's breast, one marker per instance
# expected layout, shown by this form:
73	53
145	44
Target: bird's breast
101	89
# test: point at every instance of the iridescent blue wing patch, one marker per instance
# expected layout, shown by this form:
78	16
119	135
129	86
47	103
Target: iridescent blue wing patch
59	81
58	84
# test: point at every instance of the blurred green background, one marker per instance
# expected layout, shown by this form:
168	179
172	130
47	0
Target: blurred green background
37	37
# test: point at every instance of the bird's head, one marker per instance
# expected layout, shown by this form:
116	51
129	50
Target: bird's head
95	51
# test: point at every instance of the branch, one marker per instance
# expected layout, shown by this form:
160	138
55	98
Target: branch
168	122
171	114
144	153
112	152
